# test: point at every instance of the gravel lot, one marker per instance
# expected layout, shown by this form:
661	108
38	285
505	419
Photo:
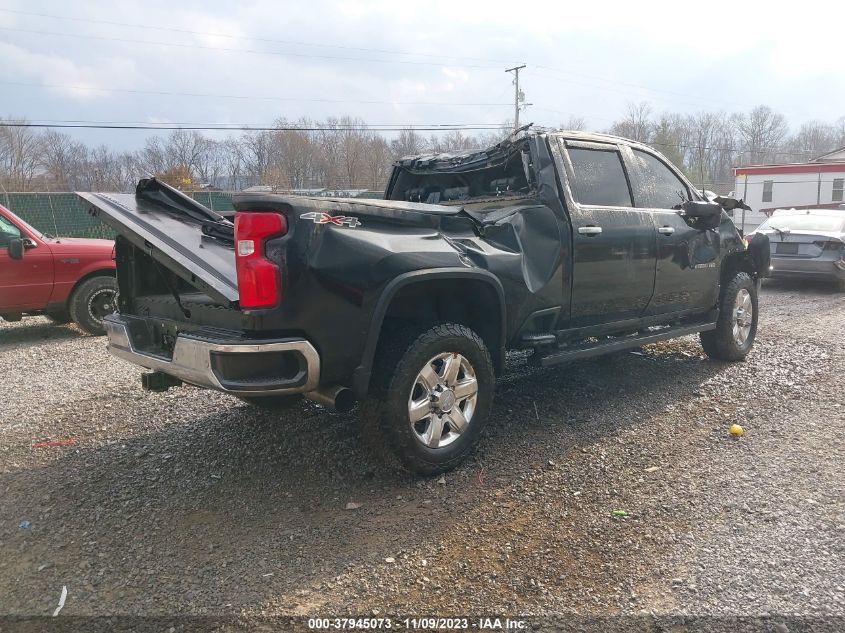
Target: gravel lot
193	502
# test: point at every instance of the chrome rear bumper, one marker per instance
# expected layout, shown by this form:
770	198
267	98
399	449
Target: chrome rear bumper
260	368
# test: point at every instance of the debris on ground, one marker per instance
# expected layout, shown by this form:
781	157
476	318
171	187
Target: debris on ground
737	431
54	443
24	525
352	505
622	514
62	599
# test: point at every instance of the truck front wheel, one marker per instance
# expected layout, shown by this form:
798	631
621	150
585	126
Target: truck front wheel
92	301
737	325
431	397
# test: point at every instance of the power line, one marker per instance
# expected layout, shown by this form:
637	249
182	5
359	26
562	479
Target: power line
101	125
384	127
737	150
168	93
364	49
239	50
245	38
343	47
697	102
629	84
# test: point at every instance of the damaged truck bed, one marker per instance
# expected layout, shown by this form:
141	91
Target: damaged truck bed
568	244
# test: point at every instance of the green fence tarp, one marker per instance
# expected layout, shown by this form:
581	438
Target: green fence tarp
62	213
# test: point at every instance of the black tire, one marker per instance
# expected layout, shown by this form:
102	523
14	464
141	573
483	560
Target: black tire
273	403
60	317
722	343
89	303
385	417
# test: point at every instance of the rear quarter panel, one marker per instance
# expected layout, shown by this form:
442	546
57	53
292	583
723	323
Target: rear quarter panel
337	278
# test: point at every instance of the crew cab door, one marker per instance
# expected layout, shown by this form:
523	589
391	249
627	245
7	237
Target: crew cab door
614	243
25	284
687	278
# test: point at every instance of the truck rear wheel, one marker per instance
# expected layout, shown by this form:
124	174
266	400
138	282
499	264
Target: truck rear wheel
737	325
431	397
92	301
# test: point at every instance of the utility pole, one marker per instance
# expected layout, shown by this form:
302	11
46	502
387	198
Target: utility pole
517	95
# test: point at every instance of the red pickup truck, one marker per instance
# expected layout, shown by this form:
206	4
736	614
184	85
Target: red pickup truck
64	278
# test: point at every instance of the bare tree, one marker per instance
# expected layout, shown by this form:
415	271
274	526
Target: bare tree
353	141
574	123
257	155
63	160
21	152
813	138
762	130
637	123
407	143
377	159
234	164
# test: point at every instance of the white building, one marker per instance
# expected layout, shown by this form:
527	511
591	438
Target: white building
816	184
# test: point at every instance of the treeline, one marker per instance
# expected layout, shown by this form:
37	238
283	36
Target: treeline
708	145
338	153
344	153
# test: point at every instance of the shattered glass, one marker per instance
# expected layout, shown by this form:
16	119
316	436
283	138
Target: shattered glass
656	186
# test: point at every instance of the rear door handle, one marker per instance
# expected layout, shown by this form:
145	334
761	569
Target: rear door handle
589	230
666	230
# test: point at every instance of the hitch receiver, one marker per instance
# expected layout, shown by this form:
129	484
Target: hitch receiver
159	381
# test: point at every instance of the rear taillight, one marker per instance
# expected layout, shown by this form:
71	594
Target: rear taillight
259	279
829	245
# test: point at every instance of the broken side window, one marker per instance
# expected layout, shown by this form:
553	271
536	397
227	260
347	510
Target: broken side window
599	177
657	186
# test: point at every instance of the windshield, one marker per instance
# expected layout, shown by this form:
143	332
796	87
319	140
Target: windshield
804	222
9	230
7	225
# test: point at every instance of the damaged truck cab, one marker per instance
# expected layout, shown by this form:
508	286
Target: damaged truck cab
567	244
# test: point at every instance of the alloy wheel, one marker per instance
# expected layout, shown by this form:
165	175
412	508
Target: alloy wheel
743	317
443	400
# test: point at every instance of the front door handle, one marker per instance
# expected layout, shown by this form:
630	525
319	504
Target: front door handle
666	230
589	231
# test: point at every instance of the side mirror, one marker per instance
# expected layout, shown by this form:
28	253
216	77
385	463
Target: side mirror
28	243
701	209
16	248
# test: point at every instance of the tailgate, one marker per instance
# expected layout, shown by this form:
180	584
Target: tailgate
176	231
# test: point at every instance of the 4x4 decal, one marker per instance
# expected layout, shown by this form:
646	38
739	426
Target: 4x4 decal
337	220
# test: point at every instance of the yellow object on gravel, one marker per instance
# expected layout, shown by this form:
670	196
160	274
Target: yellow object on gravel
737	430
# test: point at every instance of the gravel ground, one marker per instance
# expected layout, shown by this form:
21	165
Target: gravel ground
192	502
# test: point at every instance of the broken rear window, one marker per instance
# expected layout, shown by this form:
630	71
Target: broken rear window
433	180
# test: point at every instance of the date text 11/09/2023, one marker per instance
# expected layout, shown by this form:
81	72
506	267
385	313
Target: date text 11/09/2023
423	623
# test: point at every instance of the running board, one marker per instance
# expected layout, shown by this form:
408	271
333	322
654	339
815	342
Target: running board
588	350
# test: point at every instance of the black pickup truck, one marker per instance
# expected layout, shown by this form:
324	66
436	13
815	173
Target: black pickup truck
567	244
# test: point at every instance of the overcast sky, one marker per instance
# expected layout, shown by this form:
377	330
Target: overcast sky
268	59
